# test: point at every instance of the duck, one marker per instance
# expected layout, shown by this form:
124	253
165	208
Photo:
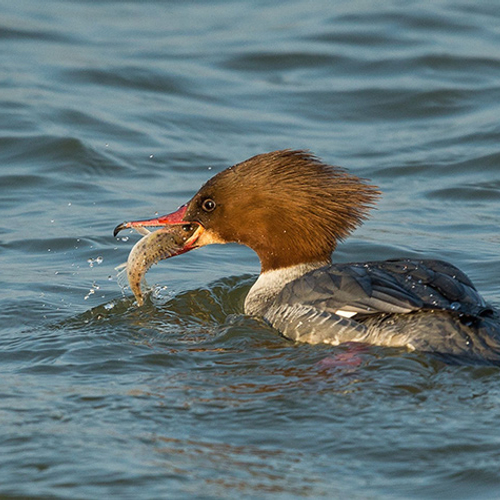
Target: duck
292	210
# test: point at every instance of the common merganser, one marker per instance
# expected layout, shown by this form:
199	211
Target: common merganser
292	209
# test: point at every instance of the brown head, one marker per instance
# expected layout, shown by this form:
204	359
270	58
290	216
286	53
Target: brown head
287	206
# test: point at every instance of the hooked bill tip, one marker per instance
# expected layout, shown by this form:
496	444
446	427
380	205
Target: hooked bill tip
118	228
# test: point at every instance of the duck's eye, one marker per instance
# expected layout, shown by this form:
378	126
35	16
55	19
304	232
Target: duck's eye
208	205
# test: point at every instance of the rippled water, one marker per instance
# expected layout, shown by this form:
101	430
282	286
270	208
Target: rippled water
117	110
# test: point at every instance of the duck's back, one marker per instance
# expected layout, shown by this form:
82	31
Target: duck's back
426	305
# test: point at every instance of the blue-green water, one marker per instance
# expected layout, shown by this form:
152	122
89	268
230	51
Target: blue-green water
111	111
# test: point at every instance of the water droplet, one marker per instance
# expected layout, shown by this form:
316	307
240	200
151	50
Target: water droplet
151	157
455	306
69	204
124	238
97	260
95	287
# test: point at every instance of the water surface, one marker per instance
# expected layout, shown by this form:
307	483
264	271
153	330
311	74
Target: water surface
113	111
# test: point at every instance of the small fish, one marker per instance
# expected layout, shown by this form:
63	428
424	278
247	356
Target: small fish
153	247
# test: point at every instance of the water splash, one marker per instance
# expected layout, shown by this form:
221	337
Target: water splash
97	260
92	290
